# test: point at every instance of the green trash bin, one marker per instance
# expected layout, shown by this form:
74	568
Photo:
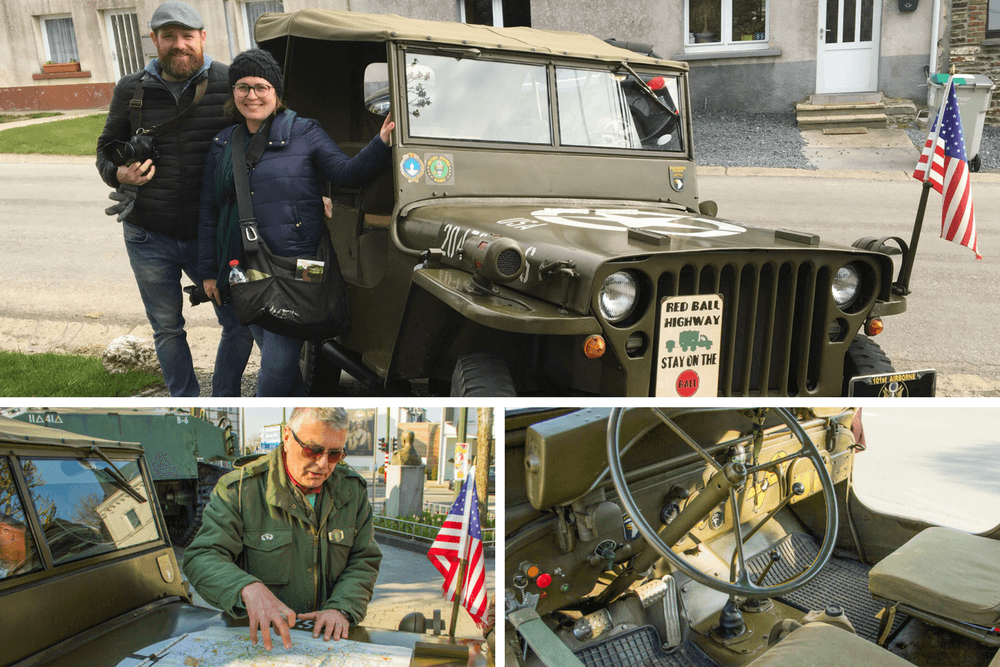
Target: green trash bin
974	92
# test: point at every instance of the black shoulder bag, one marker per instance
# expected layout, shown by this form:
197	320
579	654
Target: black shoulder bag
299	297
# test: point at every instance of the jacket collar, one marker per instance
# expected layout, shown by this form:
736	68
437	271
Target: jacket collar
280	133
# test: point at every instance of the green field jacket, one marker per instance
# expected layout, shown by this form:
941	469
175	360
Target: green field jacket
259	527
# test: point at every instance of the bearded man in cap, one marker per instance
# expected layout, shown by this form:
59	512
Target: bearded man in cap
158	185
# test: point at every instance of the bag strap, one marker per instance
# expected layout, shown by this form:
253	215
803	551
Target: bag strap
136	105
243	161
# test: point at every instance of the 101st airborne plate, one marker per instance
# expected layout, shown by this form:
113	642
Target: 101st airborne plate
894	385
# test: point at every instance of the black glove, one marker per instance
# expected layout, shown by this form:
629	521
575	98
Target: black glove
125	196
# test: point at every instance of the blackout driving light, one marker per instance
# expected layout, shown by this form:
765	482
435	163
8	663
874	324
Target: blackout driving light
846	286
618	296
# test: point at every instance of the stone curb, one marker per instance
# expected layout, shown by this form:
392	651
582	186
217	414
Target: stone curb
66	115
856	174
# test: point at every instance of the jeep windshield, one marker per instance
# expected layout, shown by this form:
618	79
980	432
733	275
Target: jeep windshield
81	510
493	101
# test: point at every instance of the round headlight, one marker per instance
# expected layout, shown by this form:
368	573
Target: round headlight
618	296
846	286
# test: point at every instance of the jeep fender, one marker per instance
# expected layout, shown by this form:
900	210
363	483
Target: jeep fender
446	317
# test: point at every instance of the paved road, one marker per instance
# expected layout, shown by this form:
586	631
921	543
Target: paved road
68	286
954	310
937	464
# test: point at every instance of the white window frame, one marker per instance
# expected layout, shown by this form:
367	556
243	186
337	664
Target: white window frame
727	42
497	12
245	17
42	20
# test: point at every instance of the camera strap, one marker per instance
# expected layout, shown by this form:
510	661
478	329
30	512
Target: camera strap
136	105
243	161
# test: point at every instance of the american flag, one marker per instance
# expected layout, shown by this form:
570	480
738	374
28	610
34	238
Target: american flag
949	174
461	537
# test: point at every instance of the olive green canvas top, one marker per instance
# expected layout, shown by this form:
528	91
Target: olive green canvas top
355	26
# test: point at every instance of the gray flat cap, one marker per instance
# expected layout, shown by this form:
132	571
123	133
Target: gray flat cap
175	12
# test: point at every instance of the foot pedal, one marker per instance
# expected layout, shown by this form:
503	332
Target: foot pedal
671	614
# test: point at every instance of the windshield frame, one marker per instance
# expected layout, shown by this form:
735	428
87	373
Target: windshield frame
17	455
552	63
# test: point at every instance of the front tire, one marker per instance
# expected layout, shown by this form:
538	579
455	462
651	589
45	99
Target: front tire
320	375
864	357
482	374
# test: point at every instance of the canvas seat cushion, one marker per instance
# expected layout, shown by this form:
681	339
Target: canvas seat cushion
822	645
946	572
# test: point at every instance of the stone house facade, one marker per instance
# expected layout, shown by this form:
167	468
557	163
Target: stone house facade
758	55
974	43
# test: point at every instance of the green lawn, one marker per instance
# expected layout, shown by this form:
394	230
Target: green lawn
73	136
66	375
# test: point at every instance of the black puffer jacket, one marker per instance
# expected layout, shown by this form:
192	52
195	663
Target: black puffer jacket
169	202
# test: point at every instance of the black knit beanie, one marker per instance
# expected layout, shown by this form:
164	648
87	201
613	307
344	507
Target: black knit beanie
257	62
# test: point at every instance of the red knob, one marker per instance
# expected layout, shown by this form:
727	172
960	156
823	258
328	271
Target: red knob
544	580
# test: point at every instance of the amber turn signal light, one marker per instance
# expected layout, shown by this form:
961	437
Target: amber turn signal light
874	326
594	347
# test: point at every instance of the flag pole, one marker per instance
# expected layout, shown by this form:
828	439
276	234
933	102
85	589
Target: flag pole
458	598
463	547
902	285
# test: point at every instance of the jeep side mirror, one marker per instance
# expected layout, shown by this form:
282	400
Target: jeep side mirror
376	89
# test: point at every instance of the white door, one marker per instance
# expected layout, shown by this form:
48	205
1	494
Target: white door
126	42
847	58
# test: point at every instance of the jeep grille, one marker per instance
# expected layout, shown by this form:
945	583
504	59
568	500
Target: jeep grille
773	323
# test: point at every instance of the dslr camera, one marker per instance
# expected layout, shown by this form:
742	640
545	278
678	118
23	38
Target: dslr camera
139	148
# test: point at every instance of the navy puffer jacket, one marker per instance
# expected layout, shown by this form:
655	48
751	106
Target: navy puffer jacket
168	204
286	185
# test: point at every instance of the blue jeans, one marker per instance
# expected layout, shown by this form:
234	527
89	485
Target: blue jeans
234	350
157	261
279	359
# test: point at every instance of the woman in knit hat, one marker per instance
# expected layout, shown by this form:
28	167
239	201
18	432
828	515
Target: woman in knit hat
286	188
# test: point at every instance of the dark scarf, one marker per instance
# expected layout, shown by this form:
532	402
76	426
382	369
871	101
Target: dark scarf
228	240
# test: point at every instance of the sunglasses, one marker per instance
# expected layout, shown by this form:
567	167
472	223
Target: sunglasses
314	452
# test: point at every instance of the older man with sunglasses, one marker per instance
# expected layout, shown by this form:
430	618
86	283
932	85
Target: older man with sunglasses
289	536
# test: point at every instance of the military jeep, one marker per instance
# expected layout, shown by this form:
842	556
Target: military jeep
88	577
726	537
542	231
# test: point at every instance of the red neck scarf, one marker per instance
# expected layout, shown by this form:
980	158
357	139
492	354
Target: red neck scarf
301	488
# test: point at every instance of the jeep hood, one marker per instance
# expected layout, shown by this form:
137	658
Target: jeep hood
591	233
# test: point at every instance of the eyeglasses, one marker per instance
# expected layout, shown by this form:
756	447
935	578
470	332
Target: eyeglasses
315	451
243	89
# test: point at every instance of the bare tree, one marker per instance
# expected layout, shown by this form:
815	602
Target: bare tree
484	447
9	502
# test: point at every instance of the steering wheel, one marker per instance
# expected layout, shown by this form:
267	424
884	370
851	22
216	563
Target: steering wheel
726	480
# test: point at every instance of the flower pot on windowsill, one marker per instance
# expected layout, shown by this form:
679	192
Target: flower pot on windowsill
59	68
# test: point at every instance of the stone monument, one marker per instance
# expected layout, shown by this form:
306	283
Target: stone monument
404	490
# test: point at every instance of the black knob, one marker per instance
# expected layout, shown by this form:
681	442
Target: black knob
798	489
